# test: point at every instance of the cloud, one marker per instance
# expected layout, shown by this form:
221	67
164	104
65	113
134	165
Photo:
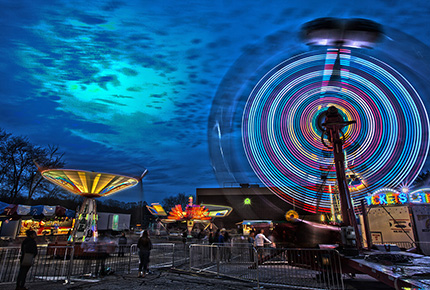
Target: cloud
123	85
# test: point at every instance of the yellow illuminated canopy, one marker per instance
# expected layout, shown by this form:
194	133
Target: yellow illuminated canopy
156	209
218	210
88	183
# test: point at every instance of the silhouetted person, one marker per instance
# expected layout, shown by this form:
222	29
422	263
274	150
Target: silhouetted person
216	236
200	235
251	245
228	245
28	253
144	245
122	243
184	237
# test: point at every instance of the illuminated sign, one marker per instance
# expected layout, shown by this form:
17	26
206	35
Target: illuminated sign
247	201
115	222
387	196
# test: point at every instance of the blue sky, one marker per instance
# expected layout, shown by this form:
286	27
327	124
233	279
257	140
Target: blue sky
124	86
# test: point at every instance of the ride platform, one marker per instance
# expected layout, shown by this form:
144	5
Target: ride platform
400	270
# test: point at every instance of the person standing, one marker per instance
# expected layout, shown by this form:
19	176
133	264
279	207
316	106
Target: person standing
211	238
145	246
228	242
184	238
251	245
216	236
260	238
221	246
28	253
122	243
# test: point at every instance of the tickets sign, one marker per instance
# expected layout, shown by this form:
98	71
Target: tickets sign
387	196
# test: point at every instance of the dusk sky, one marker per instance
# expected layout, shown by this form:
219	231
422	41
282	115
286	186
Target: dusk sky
124	86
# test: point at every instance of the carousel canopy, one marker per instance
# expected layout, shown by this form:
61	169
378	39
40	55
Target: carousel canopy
88	183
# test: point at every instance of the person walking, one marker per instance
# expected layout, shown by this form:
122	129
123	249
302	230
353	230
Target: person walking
28	253
145	246
122	243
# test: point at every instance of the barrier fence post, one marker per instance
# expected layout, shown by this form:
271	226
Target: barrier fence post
191	257
129	260
173	256
3	265
217	260
69	272
256	266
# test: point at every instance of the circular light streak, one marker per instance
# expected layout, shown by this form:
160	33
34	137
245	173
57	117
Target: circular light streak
281	126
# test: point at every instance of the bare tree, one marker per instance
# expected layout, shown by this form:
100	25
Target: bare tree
169	202
47	158
19	175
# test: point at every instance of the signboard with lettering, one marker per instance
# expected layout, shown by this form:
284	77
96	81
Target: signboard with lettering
388	196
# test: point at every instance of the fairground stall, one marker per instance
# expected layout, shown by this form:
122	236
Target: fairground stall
400	217
52	222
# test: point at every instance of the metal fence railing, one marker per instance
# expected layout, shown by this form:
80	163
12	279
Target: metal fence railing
56	263
306	268
204	258
302	268
161	256
9	263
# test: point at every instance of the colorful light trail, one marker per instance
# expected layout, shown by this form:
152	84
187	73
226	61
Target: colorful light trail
281	125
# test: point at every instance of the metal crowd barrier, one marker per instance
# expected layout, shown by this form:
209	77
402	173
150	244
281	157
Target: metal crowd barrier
9	259
63	263
162	256
302	268
306	268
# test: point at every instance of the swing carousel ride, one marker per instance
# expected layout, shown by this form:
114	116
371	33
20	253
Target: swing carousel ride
90	185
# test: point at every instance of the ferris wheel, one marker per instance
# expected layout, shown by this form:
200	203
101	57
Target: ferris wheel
279	109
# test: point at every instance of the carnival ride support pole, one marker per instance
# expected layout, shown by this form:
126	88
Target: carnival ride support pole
334	124
366	226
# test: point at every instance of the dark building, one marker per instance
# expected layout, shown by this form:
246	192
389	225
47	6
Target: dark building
248	203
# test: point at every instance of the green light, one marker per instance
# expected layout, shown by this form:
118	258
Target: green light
115	222
247	201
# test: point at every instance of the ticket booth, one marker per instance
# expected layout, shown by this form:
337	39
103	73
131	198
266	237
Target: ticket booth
400	217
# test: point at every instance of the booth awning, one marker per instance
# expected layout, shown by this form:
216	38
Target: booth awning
35	210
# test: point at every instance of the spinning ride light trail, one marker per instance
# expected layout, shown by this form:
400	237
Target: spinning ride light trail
281	125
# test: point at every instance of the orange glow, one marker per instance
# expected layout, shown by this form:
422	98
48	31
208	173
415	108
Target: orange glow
192	212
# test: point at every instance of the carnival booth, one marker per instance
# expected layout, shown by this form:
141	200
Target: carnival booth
400	217
45	220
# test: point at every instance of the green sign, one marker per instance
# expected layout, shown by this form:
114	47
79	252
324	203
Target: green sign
115	222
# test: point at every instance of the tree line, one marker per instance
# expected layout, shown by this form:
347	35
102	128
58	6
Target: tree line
19	178
22	183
